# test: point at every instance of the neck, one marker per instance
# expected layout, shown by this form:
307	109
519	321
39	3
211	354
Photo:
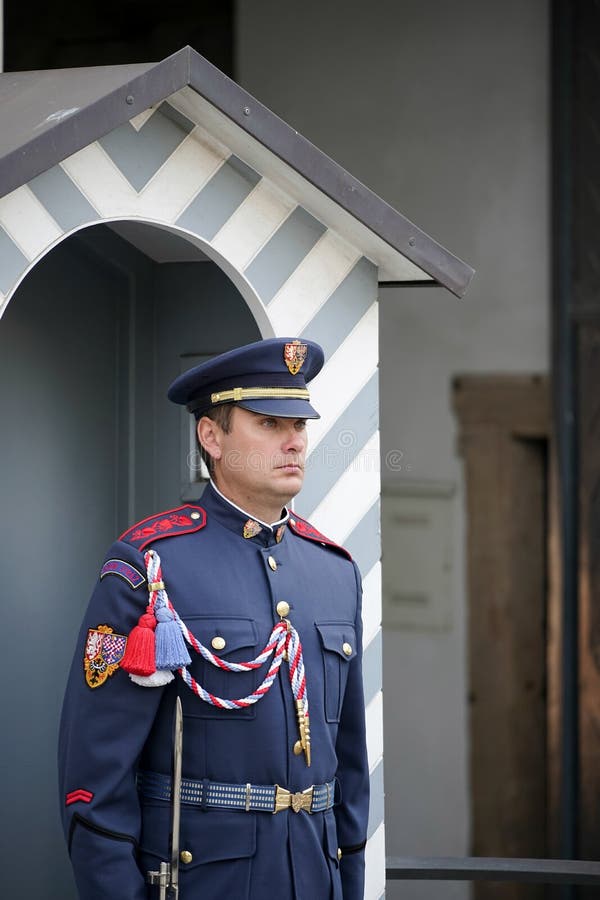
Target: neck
256	508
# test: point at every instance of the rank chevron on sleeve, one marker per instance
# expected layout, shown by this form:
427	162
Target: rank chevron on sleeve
80	795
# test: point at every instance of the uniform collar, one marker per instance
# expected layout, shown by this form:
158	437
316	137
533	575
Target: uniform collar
238	520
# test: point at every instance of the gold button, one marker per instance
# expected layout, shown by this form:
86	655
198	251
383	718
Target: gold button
185	856
339	853
194	515
218	643
283	608
347	648
272	563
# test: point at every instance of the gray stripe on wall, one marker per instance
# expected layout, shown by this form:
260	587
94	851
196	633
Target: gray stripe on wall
219	198
376	801
283	253
12	262
364	542
139	154
62	199
344	308
372	676
340	445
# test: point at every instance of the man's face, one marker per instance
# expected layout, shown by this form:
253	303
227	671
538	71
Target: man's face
261	459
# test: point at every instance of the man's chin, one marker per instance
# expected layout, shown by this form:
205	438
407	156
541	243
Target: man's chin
290	479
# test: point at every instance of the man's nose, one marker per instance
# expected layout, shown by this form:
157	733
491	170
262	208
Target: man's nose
294	440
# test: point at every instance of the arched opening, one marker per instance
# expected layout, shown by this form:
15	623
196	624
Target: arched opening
88	345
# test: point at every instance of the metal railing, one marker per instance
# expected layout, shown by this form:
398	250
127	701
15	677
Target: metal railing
488	868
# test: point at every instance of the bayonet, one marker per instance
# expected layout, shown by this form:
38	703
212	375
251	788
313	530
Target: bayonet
167	877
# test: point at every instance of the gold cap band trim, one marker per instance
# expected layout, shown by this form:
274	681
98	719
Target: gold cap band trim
260	393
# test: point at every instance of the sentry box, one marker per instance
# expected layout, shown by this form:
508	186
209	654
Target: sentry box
151	216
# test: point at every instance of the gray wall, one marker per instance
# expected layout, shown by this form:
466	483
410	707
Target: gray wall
443	110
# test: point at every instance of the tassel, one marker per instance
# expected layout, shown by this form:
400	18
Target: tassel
139	656
171	651
157	679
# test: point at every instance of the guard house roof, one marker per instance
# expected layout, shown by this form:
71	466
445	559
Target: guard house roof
46	116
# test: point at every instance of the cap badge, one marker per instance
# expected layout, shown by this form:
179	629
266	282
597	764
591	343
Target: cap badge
251	528
294	355
103	652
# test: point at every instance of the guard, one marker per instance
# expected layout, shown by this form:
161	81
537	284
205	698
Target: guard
252	618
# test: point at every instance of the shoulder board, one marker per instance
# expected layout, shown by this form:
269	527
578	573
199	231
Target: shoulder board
304	529
182	520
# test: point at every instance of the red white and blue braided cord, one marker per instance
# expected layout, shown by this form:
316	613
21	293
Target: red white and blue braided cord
284	642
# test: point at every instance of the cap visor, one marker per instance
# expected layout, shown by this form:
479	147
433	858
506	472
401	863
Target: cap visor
285	409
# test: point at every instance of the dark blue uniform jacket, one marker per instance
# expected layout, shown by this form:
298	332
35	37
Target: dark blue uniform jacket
222	585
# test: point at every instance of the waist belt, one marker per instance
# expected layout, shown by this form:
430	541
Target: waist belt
245	797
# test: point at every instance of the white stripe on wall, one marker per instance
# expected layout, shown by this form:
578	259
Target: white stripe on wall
165	196
183	174
346	372
27	222
371	609
309	286
263	211
353	494
375	865
374	718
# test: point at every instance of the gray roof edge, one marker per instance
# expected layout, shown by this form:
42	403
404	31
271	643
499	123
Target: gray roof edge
328	176
72	133
187	67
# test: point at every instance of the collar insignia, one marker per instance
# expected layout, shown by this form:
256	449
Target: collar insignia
279	533
251	528
294	355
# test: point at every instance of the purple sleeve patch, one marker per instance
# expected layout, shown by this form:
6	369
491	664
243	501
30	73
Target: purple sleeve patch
125	570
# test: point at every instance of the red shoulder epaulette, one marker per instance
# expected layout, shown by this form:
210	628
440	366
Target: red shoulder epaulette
182	520
304	529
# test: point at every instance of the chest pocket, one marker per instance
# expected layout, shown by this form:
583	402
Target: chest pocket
235	640
338	640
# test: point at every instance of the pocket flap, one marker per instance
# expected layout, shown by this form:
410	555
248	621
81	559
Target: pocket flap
338	637
223	634
208	836
219	835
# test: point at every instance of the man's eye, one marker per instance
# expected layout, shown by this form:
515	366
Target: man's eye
300	425
268	423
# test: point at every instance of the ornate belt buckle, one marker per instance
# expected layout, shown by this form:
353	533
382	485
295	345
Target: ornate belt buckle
284	799
302	800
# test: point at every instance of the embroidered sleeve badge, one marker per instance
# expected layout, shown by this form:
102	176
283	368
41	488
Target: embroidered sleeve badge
124	570
103	652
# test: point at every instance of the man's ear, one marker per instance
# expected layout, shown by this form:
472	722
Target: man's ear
209	435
